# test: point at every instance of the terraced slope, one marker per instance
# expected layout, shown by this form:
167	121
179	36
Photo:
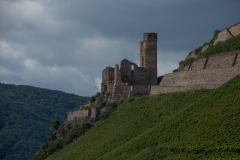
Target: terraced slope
202	124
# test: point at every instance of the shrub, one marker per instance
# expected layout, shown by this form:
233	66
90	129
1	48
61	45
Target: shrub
86	126
113	105
175	70
198	50
52	137
77	132
63	132
129	100
69	126
97	94
105	115
181	62
53	147
102	104
188	61
93	99
56	124
181	68
120	102
205	44
44	145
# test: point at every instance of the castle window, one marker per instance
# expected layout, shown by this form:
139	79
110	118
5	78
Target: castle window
150	45
132	67
150	36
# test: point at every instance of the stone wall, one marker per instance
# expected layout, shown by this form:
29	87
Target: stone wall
222	36
218	70
80	113
139	90
107	75
83	114
198	64
220	62
205	47
227	34
192	55
235	30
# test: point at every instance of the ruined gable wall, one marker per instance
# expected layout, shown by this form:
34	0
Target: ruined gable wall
107	75
136	75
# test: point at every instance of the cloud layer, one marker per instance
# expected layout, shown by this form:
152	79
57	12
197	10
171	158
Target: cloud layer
65	45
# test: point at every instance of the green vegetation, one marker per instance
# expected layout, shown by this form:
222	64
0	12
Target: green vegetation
201	124
232	44
93	98
26	116
56	124
184	63
105	115
56	145
102	104
198	50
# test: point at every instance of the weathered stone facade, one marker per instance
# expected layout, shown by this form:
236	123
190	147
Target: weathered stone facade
205	73
192	55
130	79
81	115
227	34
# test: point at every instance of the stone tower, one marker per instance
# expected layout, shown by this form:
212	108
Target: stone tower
148	55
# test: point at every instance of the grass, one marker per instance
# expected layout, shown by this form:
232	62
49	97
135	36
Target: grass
201	124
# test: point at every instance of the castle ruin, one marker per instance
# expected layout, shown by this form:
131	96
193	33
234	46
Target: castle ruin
129	79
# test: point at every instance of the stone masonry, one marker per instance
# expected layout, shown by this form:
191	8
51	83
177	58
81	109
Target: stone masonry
227	34
205	73
130	79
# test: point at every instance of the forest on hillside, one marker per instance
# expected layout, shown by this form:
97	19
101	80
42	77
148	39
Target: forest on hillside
26	115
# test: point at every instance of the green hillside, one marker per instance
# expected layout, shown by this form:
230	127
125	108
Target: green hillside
201	124
26	115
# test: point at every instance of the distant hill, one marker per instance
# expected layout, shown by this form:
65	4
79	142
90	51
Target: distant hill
26	115
200	124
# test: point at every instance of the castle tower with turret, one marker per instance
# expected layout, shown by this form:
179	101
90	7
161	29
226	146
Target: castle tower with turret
148	55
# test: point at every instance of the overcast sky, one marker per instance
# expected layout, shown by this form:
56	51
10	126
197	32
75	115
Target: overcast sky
65	44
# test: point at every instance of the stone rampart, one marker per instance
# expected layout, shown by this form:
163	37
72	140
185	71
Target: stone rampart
139	90
205	47
79	113
198	64
218	70
235	30
85	113
227	34
222	36
220	62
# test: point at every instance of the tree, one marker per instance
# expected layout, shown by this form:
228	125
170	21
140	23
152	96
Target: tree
56	124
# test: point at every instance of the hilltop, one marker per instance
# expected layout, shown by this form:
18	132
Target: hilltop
187	116
197	124
26	116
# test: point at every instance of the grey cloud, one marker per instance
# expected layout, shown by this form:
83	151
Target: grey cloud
81	38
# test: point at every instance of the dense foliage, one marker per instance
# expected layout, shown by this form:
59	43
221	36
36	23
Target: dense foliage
93	98
26	115
201	124
53	146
